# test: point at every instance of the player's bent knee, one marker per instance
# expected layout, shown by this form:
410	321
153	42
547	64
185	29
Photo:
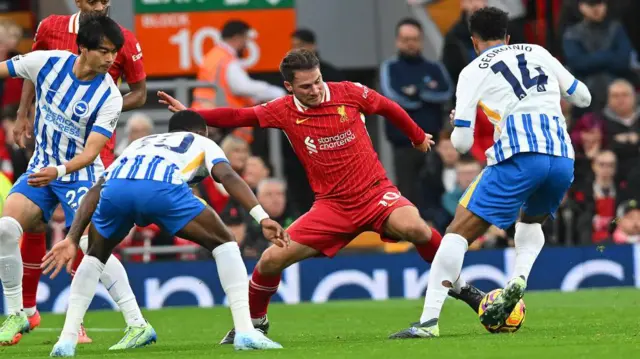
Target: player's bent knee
270	263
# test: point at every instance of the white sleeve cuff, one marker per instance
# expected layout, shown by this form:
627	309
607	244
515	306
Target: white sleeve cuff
462	139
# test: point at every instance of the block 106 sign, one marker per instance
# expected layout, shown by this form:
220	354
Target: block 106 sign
175	44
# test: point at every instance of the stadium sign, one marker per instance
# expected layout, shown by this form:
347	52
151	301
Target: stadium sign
177	34
375	276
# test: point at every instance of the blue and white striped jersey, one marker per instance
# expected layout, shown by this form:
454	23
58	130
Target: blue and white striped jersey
175	157
519	87
67	109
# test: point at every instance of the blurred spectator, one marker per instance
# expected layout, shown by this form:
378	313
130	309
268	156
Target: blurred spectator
421	87
622	126
237	151
458	49
232	86
628	223
438	177
597	50
587	137
306	39
138	125
234	217
10	35
467	168
597	201
517	17
255	171
272	196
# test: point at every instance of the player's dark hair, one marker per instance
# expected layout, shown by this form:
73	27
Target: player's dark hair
408	21
94	28
233	28
187	121
489	23
296	60
305	35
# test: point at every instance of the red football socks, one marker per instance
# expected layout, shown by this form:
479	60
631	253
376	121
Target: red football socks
428	250
32	248
261	288
76	264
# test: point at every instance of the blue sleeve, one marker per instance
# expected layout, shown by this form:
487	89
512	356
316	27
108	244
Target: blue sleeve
580	60
388	91
444	90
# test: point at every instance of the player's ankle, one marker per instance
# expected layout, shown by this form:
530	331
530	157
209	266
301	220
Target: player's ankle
30	312
259	321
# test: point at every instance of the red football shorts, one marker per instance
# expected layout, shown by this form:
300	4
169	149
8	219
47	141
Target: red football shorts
106	155
330	225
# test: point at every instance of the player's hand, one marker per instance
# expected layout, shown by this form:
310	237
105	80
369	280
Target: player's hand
43	178
274	233
173	104
63	254
22	130
425	146
452	116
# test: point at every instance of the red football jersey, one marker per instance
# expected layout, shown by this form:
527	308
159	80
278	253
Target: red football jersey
59	32
331	140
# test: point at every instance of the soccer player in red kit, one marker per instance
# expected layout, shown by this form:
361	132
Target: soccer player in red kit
59	32
325	125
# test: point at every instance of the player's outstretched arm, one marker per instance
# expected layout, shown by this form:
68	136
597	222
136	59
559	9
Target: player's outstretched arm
217	117
95	143
238	189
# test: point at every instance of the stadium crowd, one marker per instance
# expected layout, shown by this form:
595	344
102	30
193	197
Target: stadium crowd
596	42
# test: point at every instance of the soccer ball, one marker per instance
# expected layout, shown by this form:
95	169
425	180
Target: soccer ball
513	322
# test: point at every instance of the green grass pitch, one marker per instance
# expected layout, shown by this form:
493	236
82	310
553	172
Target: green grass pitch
585	324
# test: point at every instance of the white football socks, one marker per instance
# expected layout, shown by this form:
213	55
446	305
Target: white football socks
459	284
114	278
235	283
83	288
11	263
446	266
529	240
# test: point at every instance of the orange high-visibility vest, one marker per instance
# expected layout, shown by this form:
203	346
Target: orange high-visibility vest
214	70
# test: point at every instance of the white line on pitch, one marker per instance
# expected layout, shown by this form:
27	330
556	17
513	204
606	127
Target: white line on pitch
88	330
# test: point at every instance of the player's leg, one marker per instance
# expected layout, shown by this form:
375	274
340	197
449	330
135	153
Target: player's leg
402	221
111	222
113	277
23	210
33	247
84	283
494	197
322	230
529	237
189	218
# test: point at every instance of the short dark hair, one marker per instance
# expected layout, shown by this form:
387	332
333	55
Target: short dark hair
305	35
408	21
94	28
298	59
489	23
468	159
187	121
233	28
